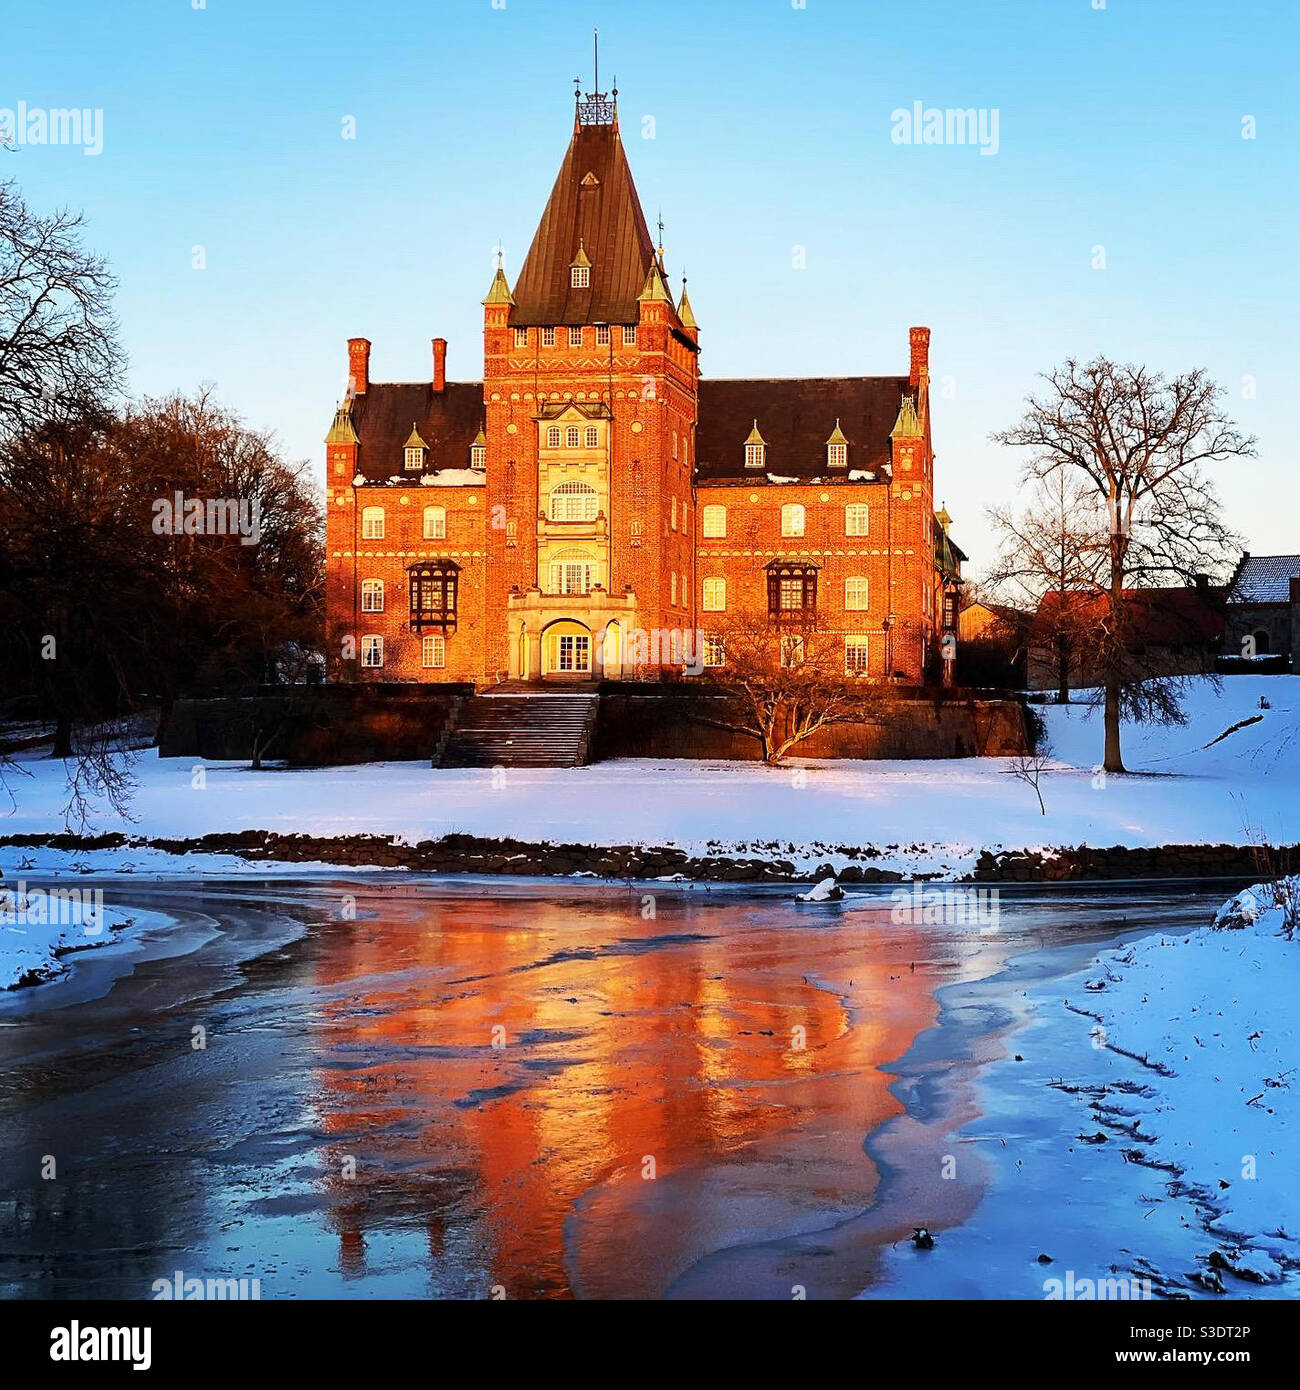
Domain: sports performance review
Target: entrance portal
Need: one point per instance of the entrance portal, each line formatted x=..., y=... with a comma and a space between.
x=566, y=651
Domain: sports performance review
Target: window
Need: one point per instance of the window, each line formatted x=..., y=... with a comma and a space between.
x=572, y=437
x=433, y=652
x=792, y=650
x=574, y=502
x=592, y=437
x=372, y=650
x=629, y=335
x=674, y=444
x=548, y=337
x=372, y=595
x=715, y=652
x=571, y=572
x=579, y=277
x=715, y=523
x=673, y=599
x=837, y=455
x=855, y=592
x=714, y=596
x=855, y=519
x=478, y=456
x=372, y=523
x=686, y=591
x=602, y=335
x=434, y=587
x=791, y=592
x=792, y=519
x=754, y=454
x=435, y=523
x=415, y=458
x=855, y=656
x=575, y=337
x=574, y=652
x=674, y=502
x=521, y=337
x=553, y=437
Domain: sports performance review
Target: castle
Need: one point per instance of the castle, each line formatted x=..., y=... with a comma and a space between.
x=595, y=502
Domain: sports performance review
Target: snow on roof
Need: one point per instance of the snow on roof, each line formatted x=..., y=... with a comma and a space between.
x=1265, y=579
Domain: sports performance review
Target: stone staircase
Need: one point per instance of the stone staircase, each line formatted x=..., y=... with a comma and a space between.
x=518, y=729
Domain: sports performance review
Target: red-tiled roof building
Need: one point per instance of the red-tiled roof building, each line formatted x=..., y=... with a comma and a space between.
x=595, y=496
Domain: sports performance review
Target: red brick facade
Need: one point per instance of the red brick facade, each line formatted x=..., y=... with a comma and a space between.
x=562, y=498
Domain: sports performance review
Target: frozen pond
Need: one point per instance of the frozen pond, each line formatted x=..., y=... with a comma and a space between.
x=396, y=1087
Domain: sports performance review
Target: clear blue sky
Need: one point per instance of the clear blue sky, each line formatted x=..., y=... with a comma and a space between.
x=1119, y=127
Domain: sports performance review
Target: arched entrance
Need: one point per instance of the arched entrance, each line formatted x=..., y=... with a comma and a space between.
x=566, y=651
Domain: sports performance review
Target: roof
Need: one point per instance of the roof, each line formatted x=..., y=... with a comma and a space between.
x=593, y=205
x=796, y=417
x=445, y=421
x=1155, y=617
x=1264, y=579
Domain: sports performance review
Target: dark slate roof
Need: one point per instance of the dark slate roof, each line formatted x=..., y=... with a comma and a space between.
x=447, y=421
x=795, y=417
x=594, y=202
x=1264, y=579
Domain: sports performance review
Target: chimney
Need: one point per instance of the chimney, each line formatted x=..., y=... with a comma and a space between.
x=358, y=365
x=439, y=364
x=920, y=369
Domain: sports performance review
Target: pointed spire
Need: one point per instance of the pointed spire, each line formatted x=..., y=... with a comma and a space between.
x=581, y=257
x=942, y=517
x=754, y=437
x=499, y=292
x=837, y=435
x=907, y=425
x=684, y=310
x=654, y=287
x=415, y=442
x=343, y=431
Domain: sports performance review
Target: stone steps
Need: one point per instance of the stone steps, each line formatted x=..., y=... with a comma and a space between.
x=523, y=730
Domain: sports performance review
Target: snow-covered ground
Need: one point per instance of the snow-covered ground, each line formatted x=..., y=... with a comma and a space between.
x=1213, y=1018
x=39, y=928
x=922, y=815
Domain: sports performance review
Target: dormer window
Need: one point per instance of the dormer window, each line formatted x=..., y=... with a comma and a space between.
x=579, y=277
x=755, y=449
x=414, y=451
x=478, y=452
x=837, y=449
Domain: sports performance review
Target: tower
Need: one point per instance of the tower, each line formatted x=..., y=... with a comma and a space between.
x=589, y=388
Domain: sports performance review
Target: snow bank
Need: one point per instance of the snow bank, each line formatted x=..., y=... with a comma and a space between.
x=38, y=928
x=1193, y=784
x=1211, y=1023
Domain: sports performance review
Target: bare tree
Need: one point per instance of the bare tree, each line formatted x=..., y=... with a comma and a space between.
x=1048, y=552
x=1029, y=765
x=58, y=338
x=1138, y=443
x=785, y=684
